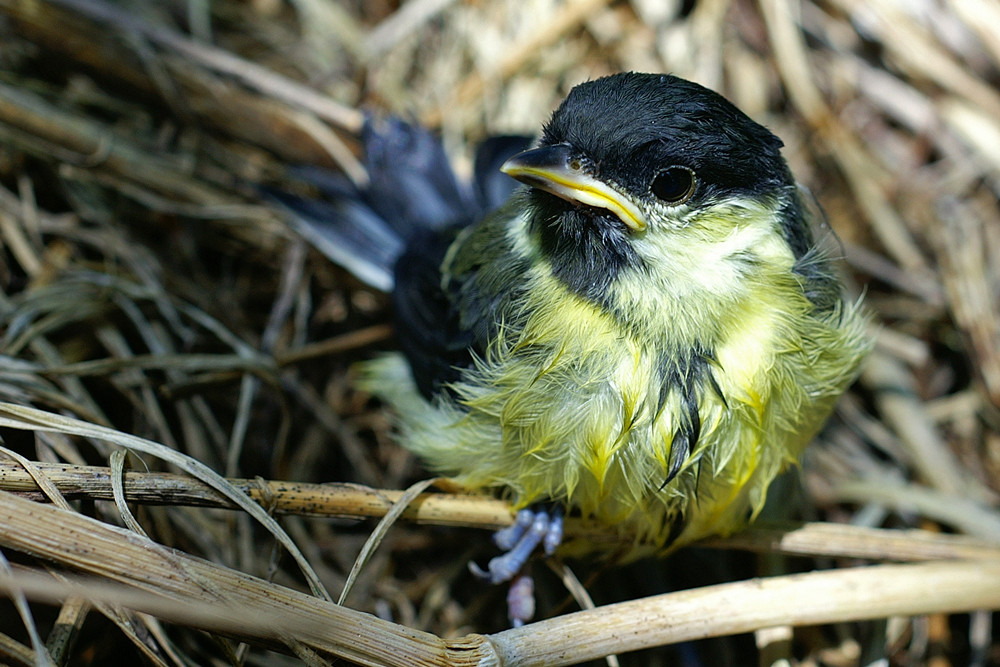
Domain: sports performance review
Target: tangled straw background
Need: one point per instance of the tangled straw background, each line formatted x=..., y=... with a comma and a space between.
x=148, y=292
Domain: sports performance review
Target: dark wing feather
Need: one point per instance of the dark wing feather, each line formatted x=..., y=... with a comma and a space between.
x=441, y=324
x=394, y=235
x=426, y=318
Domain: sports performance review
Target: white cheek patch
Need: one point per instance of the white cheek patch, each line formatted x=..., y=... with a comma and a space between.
x=713, y=250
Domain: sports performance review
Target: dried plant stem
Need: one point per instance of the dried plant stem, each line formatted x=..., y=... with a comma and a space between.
x=895, y=393
x=89, y=143
x=477, y=511
x=251, y=74
x=568, y=17
x=148, y=285
x=805, y=599
x=792, y=61
x=334, y=500
x=196, y=80
x=188, y=590
x=835, y=539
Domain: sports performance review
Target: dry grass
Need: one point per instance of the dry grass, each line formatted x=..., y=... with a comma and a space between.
x=151, y=303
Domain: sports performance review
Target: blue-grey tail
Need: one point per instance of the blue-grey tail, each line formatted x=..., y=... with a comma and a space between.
x=413, y=192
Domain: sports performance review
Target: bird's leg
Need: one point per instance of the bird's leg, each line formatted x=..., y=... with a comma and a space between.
x=531, y=528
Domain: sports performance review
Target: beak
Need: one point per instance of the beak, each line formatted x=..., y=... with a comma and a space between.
x=554, y=170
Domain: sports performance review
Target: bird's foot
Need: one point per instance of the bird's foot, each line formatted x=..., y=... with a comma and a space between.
x=531, y=528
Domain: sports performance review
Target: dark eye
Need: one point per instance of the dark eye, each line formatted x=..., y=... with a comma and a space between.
x=674, y=185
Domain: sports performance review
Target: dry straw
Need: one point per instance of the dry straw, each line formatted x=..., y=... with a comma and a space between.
x=185, y=453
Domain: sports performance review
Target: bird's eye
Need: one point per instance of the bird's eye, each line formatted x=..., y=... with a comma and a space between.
x=674, y=185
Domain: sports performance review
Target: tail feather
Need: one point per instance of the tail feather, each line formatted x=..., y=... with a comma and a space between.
x=412, y=183
x=349, y=233
x=412, y=190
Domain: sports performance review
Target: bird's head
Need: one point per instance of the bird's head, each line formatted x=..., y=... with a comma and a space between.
x=647, y=181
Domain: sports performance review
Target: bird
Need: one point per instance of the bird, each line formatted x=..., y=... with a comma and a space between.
x=644, y=333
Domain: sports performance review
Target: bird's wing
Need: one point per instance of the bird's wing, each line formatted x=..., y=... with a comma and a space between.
x=428, y=324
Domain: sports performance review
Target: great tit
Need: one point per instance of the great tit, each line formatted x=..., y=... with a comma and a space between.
x=644, y=333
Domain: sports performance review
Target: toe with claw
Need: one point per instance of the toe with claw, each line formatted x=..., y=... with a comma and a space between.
x=531, y=528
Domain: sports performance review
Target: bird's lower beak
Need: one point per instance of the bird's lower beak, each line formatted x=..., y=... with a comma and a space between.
x=555, y=170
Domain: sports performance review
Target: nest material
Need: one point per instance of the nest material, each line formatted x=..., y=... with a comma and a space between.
x=152, y=303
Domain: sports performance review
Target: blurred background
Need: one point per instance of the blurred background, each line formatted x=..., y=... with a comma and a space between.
x=144, y=284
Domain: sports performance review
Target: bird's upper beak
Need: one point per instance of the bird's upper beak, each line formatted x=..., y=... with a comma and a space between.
x=555, y=170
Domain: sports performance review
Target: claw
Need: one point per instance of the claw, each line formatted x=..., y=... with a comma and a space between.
x=553, y=538
x=521, y=600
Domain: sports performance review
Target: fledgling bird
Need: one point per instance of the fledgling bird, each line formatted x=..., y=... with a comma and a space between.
x=643, y=334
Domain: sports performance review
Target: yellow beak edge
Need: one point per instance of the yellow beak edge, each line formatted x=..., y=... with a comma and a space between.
x=554, y=170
